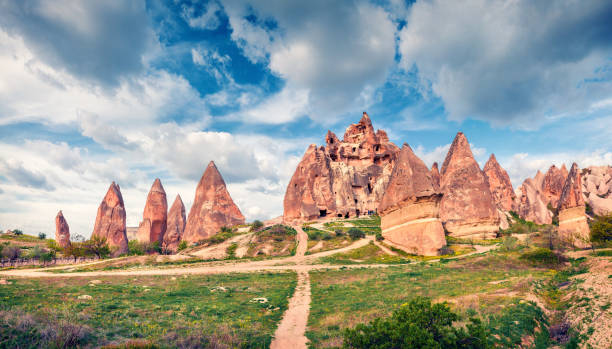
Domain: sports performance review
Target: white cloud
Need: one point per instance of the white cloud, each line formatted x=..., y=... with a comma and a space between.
x=209, y=19
x=511, y=61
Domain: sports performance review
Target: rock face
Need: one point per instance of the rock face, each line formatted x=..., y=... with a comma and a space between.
x=552, y=185
x=110, y=221
x=435, y=176
x=531, y=205
x=573, y=225
x=342, y=178
x=176, y=225
x=62, y=231
x=212, y=207
x=597, y=188
x=409, y=209
x=467, y=208
x=153, y=225
x=499, y=184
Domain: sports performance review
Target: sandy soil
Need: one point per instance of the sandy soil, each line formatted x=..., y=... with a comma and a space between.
x=291, y=332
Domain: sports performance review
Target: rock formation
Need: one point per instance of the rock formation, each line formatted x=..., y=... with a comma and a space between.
x=597, y=188
x=110, y=221
x=62, y=231
x=499, y=184
x=343, y=178
x=435, y=176
x=467, y=208
x=573, y=225
x=531, y=205
x=153, y=225
x=552, y=185
x=212, y=207
x=176, y=225
x=409, y=209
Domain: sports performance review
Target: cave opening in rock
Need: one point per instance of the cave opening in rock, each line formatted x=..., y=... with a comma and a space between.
x=322, y=213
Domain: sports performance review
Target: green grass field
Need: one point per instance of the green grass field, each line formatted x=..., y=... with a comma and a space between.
x=481, y=285
x=168, y=311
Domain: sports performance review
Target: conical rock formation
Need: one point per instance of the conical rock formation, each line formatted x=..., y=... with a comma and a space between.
x=467, y=208
x=212, y=207
x=342, y=178
x=62, y=231
x=409, y=208
x=573, y=225
x=110, y=221
x=531, y=205
x=499, y=184
x=175, y=226
x=154, y=218
x=553, y=183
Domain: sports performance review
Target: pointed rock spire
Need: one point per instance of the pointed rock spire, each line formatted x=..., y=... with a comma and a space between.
x=62, y=231
x=573, y=225
x=571, y=196
x=435, y=176
x=110, y=221
x=212, y=207
x=155, y=214
x=409, y=207
x=552, y=185
x=499, y=184
x=363, y=131
x=175, y=226
x=467, y=208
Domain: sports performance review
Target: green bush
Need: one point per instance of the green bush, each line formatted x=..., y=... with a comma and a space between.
x=447, y=251
x=182, y=245
x=42, y=236
x=231, y=250
x=356, y=233
x=257, y=225
x=601, y=230
x=137, y=248
x=543, y=257
x=418, y=324
x=17, y=232
x=11, y=252
x=510, y=244
x=379, y=237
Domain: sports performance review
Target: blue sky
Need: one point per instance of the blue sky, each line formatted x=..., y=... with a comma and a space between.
x=126, y=91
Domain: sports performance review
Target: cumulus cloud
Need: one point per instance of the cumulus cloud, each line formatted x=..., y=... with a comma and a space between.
x=344, y=49
x=100, y=41
x=511, y=61
x=17, y=172
x=206, y=17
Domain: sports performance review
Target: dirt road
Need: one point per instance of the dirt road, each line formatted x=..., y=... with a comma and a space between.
x=291, y=332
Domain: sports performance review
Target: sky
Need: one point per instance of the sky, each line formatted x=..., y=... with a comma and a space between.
x=98, y=91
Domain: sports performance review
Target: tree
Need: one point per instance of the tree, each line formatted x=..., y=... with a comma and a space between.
x=601, y=230
x=11, y=252
x=417, y=324
x=74, y=250
x=97, y=245
x=257, y=224
x=17, y=232
x=42, y=236
x=78, y=238
x=355, y=233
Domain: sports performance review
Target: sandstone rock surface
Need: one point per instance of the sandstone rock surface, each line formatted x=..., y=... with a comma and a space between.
x=435, y=176
x=409, y=209
x=552, y=185
x=531, y=205
x=155, y=215
x=175, y=226
x=467, y=208
x=62, y=231
x=597, y=188
x=573, y=225
x=499, y=184
x=212, y=207
x=342, y=178
x=110, y=221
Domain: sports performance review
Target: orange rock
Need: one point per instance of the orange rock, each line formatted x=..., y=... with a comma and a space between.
x=531, y=205
x=597, y=188
x=110, y=221
x=409, y=208
x=155, y=215
x=212, y=207
x=435, y=176
x=176, y=225
x=552, y=185
x=62, y=231
x=573, y=225
x=499, y=184
x=467, y=208
x=343, y=178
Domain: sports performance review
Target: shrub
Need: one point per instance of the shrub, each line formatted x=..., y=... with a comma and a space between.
x=356, y=234
x=339, y=232
x=257, y=225
x=96, y=246
x=11, y=252
x=379, y=237
x=42, y=236
x=447, y=251
x=136, y=248
x=182, y=245
x=509, y=244
x=231, y=250
x=418, y=324
x=17, y=232
x=35, y=252
x=542, y=257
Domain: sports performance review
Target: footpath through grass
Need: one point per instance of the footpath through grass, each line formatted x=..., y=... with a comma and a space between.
x=240, y=310
x=484, y=285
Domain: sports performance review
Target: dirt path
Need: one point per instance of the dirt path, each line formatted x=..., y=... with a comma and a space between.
x=302, y=238
x=291, y=331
